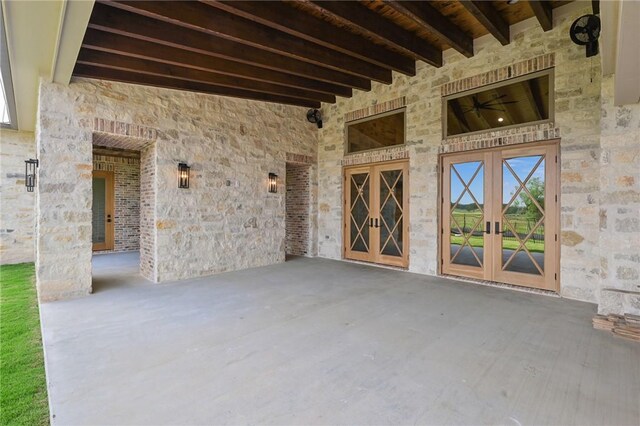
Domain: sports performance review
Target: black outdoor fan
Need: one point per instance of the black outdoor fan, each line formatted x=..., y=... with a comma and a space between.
x=491, y=104
x=585, y=31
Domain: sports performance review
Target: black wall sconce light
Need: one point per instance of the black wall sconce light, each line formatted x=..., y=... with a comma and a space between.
x=273, y=183
x=183, y=175
x=30, y=167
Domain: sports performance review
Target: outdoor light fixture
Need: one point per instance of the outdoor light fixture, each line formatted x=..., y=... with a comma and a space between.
x=273, y=182
x=183, y=175
x=30, y=167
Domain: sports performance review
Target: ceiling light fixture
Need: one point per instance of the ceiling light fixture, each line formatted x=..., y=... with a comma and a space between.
x=500, y=119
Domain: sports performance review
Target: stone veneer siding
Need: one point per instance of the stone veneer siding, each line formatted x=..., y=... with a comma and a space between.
x=577, y=119
x=297, y=207
x=17, y=206
x=126, y=172
x=210, y=227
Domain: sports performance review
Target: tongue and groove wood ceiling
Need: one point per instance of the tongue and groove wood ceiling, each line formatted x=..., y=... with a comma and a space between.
x=294, y=52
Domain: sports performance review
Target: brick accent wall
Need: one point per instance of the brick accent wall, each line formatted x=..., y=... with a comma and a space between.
x=126, y=172
x=298, y=181
x=148, y=234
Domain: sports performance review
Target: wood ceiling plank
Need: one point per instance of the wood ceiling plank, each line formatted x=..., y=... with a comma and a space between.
x=489, y=18
x=170, y=83
x=217, y=22
x=429, y=18
x=361, y=19
x=543, y=12
x=132, y=25
x=122, y=45
x=287, y=19
x=127, y=63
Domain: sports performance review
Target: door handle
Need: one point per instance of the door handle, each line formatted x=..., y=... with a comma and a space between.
x=376, y=225
x=370, y=222
x=108, y=218
x=487, y=229
x=497, y=228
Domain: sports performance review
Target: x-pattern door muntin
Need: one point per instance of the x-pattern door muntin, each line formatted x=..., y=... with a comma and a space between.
x=361, y=191
x=397, y=204
x=522, y=189
x=462, y=231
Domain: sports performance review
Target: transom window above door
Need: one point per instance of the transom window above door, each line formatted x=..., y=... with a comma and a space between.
x=380, y=131
x=511, y=103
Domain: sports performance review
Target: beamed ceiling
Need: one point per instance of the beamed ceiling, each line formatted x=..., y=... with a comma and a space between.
x=299, y=53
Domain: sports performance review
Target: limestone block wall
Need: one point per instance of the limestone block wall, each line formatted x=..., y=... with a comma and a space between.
x=619, y=205
x=577, y=116
x=225, y=221
x=17, y=206
x=298, y=198
x=126, y=172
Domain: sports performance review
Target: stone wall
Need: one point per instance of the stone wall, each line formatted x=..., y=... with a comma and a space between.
x=17, y=206
x=225, y=221
x=619, y=205
x=298, y=197
x=126, y=172
x=577, y=116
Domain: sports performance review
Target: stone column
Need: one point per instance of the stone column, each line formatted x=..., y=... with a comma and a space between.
x=63, y=197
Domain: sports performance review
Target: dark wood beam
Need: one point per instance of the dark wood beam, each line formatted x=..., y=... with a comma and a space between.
x=432, y=21
x=115, y=43
x=129, y=24
x=363, y=20
x=542, y=10
x=489, y=18
x=216, y=22
x=142, y=66
x=457, y=112
x=88, y=71
x=295, y=22
x=595, y=7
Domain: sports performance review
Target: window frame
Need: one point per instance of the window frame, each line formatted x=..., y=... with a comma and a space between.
x=7, y=81
x=549, y=72
x=348, y=124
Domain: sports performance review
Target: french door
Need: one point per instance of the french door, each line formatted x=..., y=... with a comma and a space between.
x=376, y=213
x=103, y=207
x=500, y=215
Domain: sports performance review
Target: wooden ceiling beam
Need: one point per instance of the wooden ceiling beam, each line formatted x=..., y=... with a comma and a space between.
x=363, y=20
x=543, y=12
x=122, y=45
x=142, y=66
x=129, y=24
x=200, y=17
x=432, y=21
x=489, y=18
x=295, y=22
x=171, y=83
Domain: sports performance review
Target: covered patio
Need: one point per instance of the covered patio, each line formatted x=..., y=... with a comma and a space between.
x=316, y=341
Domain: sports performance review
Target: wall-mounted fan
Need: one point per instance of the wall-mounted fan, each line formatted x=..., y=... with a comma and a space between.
x=585, y=31
x=491, y=104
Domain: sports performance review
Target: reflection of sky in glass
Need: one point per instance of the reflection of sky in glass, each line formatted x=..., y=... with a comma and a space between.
x=522, y=166
x=466, y=172
x=4, y=112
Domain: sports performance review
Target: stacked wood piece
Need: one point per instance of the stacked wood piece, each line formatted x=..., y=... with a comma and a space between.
x=626, y=325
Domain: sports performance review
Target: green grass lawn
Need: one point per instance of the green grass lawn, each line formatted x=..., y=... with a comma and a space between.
x=23, y=389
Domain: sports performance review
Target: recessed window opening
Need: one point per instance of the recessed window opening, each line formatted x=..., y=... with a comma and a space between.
x=511, y=103
x=7, y=99
x=380, y=131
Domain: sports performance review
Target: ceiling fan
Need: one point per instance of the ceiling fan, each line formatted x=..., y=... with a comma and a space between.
x=491, y=104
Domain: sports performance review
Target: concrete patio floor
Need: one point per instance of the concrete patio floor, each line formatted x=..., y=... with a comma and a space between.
x=315, y=341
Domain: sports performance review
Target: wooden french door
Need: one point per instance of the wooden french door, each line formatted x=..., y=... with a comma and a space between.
x=376, y=213
x=103, y=207
x=500, y=215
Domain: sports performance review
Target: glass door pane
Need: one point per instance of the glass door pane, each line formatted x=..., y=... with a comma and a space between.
x=391, y=212
x=466, y=214
x=99, y=210
x=523, y=215
x=359, y=212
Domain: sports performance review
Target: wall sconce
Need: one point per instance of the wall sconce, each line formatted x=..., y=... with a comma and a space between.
x=30, y=167
x=273, y=182
x=183, y=175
